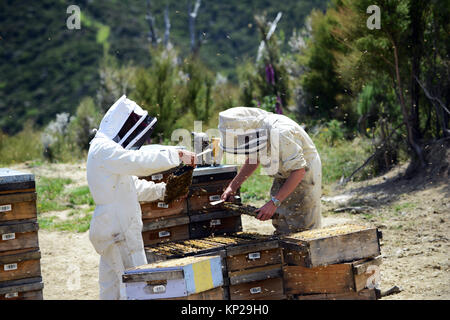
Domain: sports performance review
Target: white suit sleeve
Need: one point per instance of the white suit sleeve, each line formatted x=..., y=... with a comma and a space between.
x=117, y=160
x=291, y=152
x=148, y=190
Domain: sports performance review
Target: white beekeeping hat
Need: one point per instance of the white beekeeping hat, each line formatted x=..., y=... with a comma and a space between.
x=242, y=130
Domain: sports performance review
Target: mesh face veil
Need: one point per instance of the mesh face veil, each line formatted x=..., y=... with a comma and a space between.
x=136, y=130
x=238, y=141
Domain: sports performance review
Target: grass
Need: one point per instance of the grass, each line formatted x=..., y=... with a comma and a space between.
x=78, y=223
x=54, y=196
x=50, y=193
x=256, y=187
x=406, y=206
x=80, y=196
x=341, y=159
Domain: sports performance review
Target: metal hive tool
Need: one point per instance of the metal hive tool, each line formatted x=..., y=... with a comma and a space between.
x=244, y=209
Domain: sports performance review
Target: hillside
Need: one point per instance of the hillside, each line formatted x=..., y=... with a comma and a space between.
x=46, y=68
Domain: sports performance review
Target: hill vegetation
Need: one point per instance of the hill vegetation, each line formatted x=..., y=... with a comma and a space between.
x=47, y=69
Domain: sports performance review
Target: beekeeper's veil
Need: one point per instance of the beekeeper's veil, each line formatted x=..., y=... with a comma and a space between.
x=127, y=124
x=243, y=130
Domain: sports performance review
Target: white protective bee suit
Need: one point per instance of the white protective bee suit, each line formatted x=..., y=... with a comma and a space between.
x=112, y=171
x=281, y=146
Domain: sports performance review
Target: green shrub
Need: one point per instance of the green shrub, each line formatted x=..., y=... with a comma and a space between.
x=333, y=132
x=342, y=158
x=80, y=128
x=24, y=146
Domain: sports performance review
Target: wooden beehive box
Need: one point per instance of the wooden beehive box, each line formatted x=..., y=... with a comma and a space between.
x=17, y=206
x=268, y=289
x=257, y=251
x=17, y=195
x=165, y=229
x=331, y=279
x=338, y=244
x=208, y=184
x=219, y=293
x=12, y=181
x=173, y=278
x=22, y=234
x=159, y=209
x=210, y=174
x=255, y=268
x=20, y=264
x=365, y=294
x=23, y=289
x=214, y=223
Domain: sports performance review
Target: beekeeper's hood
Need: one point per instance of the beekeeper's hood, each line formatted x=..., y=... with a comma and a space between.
x=243, y=130
x=127, y=124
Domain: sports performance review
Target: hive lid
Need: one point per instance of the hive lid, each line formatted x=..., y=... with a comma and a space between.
x=8, y=176
x=332, y=231
x=201, y=171
x=169, y=265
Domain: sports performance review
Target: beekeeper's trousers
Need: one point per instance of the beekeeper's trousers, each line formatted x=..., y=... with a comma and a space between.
x=113, y=263
x=301, y=210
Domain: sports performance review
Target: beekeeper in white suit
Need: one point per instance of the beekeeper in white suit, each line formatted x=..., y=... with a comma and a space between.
x=113, y=164
x=285, y=152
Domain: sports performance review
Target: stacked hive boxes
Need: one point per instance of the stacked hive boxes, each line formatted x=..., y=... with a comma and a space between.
x=255, y=269
x=332, y=263
x=329, y=263
x=192, y=217
x=252, y=263
x=20, y=272
x=208, y=184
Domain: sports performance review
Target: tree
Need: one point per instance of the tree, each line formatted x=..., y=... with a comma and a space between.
x=397, y=50
x=156, y=90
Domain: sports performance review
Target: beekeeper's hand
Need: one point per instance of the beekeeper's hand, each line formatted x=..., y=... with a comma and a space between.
x=228, y=194
x=187, y=157
x=266, y=211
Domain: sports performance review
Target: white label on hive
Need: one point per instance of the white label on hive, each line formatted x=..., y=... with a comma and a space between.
x=163, y=234
x=11, y=295
x=163, y=205
x=5, y=208
x=10, y=267
x=159, y=289
x=254, y=255
x=215, y=222
x=158, y=176
x=255, y=290
x=8, y=236
x=214, y=197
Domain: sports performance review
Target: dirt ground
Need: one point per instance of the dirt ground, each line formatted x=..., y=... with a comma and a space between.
x=414, y=218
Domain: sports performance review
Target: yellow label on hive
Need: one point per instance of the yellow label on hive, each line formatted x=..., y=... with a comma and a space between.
x=202, y=276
